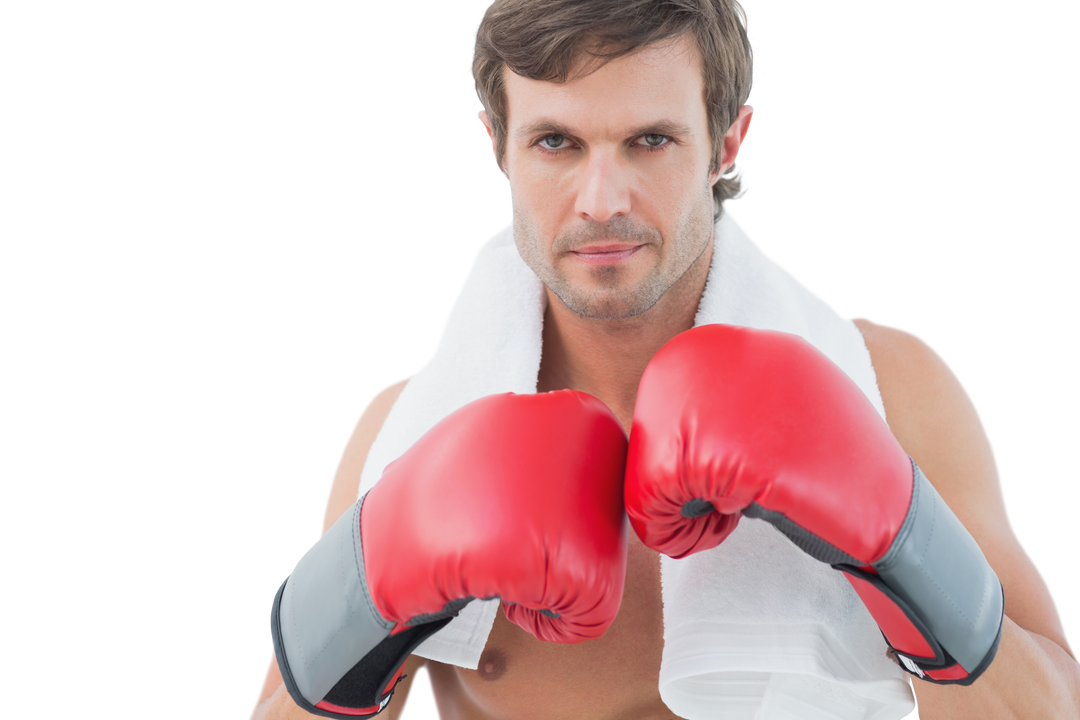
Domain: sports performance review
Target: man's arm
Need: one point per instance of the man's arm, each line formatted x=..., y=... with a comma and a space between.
x=1035, y=674
x=274, y=701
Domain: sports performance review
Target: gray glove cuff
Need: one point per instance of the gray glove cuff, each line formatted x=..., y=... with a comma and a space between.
x=324, y=620
x=940, y=572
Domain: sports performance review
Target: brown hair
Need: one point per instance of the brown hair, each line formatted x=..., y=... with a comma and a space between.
x=543, y=40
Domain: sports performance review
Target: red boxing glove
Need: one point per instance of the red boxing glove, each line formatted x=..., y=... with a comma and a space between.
x=512, y=496
x=517, y=497
x=732, y=421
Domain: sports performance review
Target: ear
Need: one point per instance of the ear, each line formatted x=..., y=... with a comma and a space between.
x=482, y=119
x=733, y=139
x=487, y=125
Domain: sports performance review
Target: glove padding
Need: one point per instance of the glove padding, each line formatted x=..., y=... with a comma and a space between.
x=512, y=496
x=732, y=421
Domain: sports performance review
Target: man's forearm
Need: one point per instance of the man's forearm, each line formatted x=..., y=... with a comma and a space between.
x=1031, y=677
x=279, y=706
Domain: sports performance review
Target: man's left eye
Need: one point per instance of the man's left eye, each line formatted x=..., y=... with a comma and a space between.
x=654, y=140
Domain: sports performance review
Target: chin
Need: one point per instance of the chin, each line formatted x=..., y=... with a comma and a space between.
x=608, y=303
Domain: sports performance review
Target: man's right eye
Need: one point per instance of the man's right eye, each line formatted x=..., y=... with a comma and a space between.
x=553, y=142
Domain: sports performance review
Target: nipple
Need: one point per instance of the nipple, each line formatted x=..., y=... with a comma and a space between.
x=492, y=664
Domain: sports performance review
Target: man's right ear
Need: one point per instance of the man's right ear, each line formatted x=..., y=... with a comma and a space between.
x=487, y=126
x=482, y=119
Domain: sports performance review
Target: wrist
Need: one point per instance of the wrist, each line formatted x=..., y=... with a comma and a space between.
x=279, y=706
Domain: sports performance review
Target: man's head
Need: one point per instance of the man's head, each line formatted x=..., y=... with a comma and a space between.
x=554, y=39
x=615, y=122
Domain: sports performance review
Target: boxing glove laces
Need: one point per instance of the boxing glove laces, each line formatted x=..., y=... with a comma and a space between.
x=732, y=421
x=517, y=497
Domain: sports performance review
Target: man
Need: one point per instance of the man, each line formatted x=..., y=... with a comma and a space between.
x=618, y=133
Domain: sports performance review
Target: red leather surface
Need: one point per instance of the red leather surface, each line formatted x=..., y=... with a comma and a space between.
x=902, y=635
x=516, y=496
x=953, y=672
x=358, y=712
x=736, y=416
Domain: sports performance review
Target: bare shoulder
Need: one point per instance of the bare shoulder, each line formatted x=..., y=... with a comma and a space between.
x=936, y=423
x=347, y=477
x=917, y=386
x=932, y=417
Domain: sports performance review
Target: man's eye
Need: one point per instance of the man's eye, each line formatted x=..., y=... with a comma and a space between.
x=553, y=142
x=655, y=140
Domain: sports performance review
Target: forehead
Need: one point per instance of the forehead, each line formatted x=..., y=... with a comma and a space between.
x=661, y=80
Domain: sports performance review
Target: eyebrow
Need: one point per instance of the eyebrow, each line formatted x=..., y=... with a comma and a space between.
x=660, y=127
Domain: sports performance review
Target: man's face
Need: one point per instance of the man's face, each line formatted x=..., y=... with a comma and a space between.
x=610, y=179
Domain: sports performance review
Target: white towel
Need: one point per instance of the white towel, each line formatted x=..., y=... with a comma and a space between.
x=754, y=629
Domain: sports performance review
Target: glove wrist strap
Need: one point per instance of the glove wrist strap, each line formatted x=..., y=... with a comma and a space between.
x=324, y=620
x=934, y=595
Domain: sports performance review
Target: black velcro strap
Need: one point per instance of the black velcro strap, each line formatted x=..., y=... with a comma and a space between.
x=805, y=540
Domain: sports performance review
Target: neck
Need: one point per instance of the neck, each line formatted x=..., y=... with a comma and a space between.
x=606, y=358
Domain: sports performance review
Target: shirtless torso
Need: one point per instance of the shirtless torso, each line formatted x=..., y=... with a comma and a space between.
x=523, y=678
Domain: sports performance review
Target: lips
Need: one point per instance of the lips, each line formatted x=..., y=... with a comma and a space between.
x=606, y=253
x=609, y=247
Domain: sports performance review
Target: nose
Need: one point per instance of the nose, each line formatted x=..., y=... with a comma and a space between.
x=603, y=187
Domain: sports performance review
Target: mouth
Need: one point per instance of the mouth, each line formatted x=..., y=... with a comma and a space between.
x=606, y=254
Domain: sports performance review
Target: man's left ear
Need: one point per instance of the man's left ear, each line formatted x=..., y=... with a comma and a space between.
x=733, y=139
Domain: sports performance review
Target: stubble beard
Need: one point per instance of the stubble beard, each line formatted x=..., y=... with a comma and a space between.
x=611, y=296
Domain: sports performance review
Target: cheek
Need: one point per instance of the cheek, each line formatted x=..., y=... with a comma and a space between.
x=543, y=190
x=674, y=187
x=539, y=192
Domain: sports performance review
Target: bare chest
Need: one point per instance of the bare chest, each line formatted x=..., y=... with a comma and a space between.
x=614, y=676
